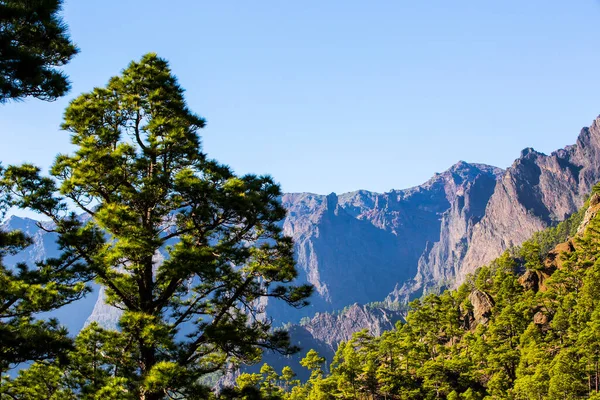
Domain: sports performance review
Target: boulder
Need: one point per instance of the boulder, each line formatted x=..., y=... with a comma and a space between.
x=554, y=259
x=482, y=306
x=535, y=279
x=540, y=318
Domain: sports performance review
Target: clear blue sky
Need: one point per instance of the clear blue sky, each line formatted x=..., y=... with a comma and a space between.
x=344, y=95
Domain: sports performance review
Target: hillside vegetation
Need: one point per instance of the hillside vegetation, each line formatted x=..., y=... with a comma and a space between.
x=526, y=326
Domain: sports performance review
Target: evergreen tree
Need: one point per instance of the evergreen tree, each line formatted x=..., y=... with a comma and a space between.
x=150, y=193
x=567, y=377
x=346, y=369
x=33, y=44
x=26, y=291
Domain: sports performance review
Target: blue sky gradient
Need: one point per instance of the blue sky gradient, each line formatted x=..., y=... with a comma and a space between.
x=344, y=95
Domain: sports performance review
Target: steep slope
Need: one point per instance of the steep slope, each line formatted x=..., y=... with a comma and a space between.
x=535, y=192
x=527, y=326
x=440, y=260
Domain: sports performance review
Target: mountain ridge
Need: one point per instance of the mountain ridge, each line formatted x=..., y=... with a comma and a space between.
x=362, y=246
x=464, y=218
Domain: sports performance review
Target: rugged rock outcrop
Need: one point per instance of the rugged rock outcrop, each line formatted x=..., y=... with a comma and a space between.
x=590, y=213
x=482, y=306
x=335, y=328
x=441, y=260
x=554, y=259
x=538, y=190
x=359, y=245
x=535, y=280
x=541, y=318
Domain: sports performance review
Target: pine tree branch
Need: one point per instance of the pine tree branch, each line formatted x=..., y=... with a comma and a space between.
x=194, y=346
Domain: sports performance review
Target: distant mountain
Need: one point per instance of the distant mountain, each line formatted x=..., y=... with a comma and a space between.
x=364, y=246
x=361, y=247
x=357, y=247
x=536, y=191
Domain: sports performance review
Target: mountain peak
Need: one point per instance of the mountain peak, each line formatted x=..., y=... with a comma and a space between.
x=529, y=151
x=589, y=138
x=467, y=166
x=460, y=165
x=464, y=171
x=24, y=224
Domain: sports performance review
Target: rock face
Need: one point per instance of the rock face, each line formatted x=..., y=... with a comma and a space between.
x=590, y=213
x=554, y=258
x=535, y=280
x=441, y=260
x=335, y=328
x=539, y=318
x=459, y=220
x=359, y=246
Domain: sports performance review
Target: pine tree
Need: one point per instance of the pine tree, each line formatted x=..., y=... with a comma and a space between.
x=567, y=376
x=139, y=173
x=346, y=368
x=26, y=291
x=39, y=382
x=33, y=44
x=589, y=345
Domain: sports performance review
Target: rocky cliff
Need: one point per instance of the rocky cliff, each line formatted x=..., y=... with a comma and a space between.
x=536, y=191
x=360, y=247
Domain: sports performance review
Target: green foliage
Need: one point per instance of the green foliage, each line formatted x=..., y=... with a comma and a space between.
x=33, y=44
x=534, y=345
x=139, y=173
x=39, y=382
x=25, y=292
